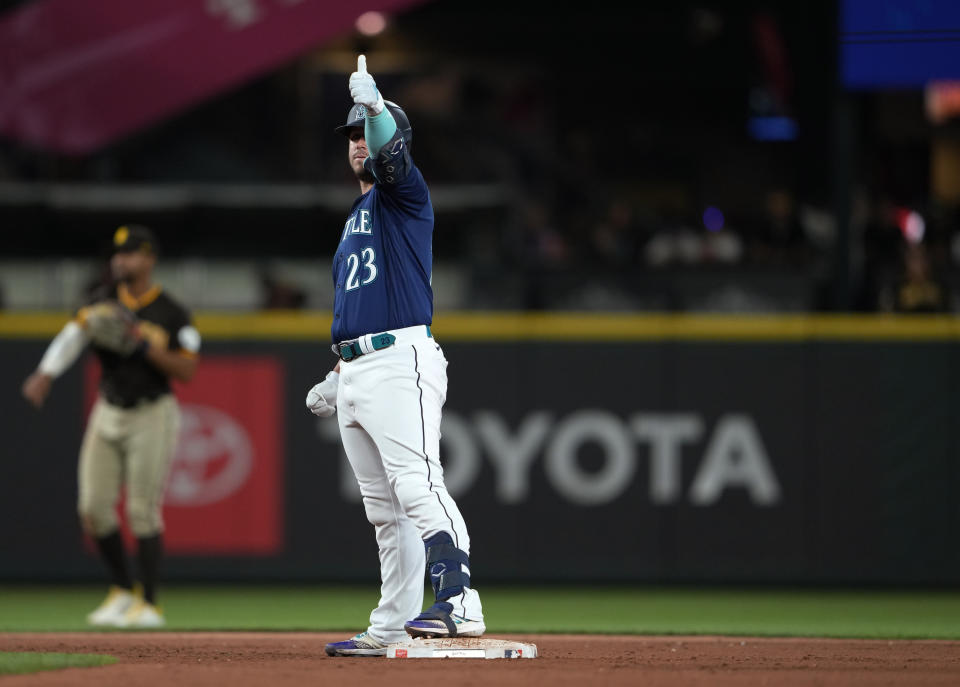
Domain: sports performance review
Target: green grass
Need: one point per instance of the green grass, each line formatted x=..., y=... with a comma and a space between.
x=635, y=610
x=16, y=663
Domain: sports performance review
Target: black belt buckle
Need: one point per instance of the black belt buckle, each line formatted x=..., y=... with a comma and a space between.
x=349, y=351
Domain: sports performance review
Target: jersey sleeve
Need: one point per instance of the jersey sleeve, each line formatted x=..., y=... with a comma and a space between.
x=396, y=174
x=185, y=338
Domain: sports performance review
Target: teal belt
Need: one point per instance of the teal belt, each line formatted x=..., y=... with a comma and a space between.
x=348, y=350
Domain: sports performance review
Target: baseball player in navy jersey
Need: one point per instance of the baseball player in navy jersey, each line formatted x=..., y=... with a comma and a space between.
x=390, y=385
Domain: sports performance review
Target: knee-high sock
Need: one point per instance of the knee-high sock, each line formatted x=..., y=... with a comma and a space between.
x=115, y=557
x=149, y=553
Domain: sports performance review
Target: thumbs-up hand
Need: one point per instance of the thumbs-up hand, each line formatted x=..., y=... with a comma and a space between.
x=363, y=89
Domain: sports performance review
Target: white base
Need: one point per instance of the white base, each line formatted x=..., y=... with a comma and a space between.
x=461, y=647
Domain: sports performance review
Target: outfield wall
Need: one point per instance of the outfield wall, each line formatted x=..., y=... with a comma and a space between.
x=580, y=447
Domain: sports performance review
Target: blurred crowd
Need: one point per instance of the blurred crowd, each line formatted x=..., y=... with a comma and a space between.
x=665, y=201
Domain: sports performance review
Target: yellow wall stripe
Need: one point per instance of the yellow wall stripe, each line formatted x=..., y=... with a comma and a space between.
x=507, y=326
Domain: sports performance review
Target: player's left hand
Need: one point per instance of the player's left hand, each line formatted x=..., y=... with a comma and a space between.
x=113, y=327
x=363, y=89
x=322, y=398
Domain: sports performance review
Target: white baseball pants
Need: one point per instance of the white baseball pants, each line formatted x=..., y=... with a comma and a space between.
x=388, y=407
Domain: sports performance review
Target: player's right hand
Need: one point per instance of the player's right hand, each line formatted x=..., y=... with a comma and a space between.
x=322, y=398
x=37, y=387
x=363, y=89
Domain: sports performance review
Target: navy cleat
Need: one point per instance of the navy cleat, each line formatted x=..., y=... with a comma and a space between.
x=439, y=621
x=358, y=645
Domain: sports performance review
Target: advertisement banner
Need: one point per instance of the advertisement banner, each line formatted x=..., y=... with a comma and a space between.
x=76, y=76
x=791, y=462
x=225, y=486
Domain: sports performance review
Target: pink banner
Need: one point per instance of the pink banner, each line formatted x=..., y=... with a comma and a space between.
x=75, y=76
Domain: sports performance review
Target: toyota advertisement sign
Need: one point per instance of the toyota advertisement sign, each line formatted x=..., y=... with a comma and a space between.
x=225, y=486
x=225, y=490
x=656, y=461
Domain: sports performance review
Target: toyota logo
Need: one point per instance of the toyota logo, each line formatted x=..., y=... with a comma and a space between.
x=213, y=459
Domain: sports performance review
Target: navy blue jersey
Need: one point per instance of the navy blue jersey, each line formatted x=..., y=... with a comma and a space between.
x=381, y=271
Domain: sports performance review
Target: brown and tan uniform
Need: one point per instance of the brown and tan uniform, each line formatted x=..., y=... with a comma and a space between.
x=132, y=431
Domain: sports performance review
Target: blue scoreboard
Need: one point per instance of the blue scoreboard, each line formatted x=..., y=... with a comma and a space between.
x=899, y=44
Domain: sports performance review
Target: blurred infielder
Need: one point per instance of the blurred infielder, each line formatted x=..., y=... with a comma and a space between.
x=142, y=338
x=391, y=382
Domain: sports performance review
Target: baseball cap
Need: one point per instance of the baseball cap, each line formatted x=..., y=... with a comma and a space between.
x=134, y=237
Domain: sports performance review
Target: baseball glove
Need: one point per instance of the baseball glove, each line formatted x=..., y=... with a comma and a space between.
x=112, y=326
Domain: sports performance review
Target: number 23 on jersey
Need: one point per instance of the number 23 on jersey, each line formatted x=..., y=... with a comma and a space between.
x=361, y=268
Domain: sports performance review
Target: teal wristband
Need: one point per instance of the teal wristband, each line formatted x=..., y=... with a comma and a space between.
x=378, y=129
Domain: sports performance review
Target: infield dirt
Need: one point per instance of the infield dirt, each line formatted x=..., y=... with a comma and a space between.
x=287, y=659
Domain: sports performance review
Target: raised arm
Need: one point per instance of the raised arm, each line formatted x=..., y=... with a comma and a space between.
x=379, y=124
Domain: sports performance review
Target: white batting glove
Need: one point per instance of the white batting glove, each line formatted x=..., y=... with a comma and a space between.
x=363, y=89
x=322, y=398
